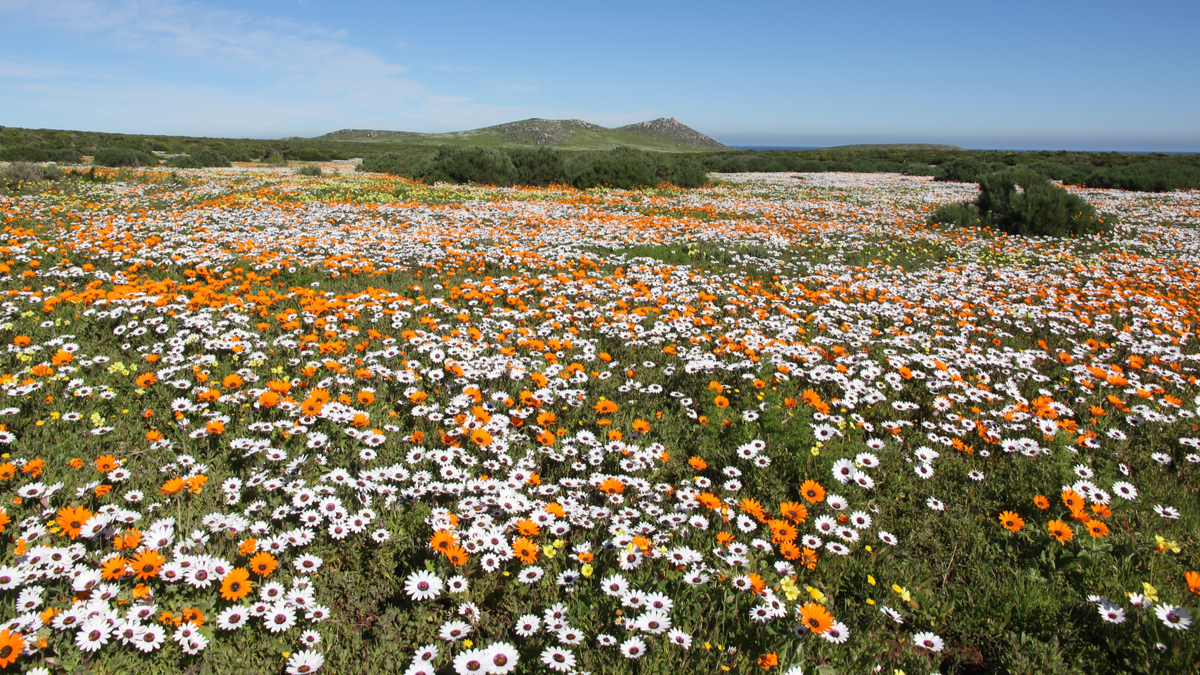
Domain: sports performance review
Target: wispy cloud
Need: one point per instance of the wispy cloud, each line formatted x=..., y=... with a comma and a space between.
x=238, y=72
x=295, y=55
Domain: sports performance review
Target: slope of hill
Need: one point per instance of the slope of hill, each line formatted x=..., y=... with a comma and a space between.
x=660, y=134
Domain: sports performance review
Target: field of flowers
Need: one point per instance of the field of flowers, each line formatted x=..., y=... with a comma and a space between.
x=259, y=422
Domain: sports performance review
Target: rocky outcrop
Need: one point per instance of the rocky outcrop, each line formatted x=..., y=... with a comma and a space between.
x=670, y=129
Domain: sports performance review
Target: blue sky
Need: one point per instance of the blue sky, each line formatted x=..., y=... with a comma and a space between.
x=1026, y=75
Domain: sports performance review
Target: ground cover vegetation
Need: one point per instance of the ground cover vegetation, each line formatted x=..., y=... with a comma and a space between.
x=259, y=421
x=622, y=167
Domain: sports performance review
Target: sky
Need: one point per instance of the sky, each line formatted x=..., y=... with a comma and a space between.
x=1047, y=75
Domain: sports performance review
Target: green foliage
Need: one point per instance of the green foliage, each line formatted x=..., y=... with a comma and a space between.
x=918, y=169
x=199, y=159
x=963, y=214
x=124, y=157
x=620, y=168
x=483, y=166
x=397, y=163
x=965, y=170
x=1146, y=177
x=1020, y=201
x=678, y=170
x=541, y=166
x=311, y=170
x=29, y=153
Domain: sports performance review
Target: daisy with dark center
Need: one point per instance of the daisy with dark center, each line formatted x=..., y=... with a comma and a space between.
x=558, y=659
x=815, y=617
x=1011, y=521
x=1060, y=531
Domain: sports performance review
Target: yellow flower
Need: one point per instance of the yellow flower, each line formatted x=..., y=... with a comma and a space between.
x=1164, y=545
x=790, y=589
x=903, y=592
x=586, y=570
x=816, y=594
x=549, y=551
x=468, y=644
x=1150, y=592
x=870, y=580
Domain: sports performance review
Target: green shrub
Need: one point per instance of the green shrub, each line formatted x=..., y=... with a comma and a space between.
x=963, y=214
x=1146, y=177
x=678, y=170
x=620, y=168
x=310, y=170
x=309, y=154
x=124, y=157
x=30, y=153
x=397, y=163
x=183, y=162
x=473, y=164
x=917, y=169
x=726, y=163
x=962, y=170
x=765, y=163
x=199, y=159
x=540, y=167
x=863, y=166
x=1036, y=209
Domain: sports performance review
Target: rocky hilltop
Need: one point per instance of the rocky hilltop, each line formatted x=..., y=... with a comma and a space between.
x=670, y=128
x=538, y=131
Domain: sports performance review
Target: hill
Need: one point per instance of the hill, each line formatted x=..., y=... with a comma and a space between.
x=665, y=134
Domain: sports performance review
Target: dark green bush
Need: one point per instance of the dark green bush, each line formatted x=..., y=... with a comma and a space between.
x=199, y=159
x=310, y=154
x=540, y=167
x=962, y=170
x=1037, y=208
x=863, y=166
x=124, y=157
x=1146, y=177
x=397, y=163
x=29, y=153
x=917, y=169
x=678, y=170
x=963, y=214
x=485, y=166
x=620, y=168
x=726, y=163
x=310, y=170
x=769, y=163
